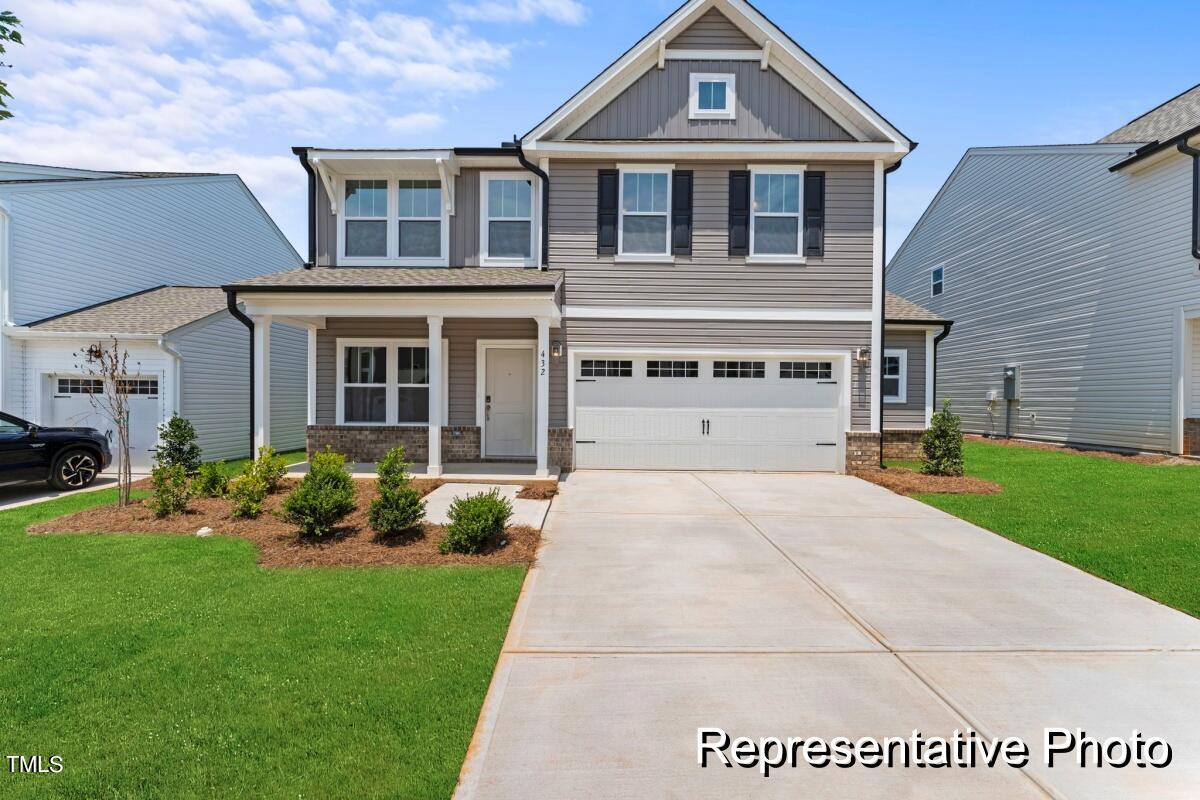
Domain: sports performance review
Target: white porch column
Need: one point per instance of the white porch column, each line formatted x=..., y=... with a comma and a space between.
x=435, y=395
x=262, y=382
x=542, y=413
x=312, y=374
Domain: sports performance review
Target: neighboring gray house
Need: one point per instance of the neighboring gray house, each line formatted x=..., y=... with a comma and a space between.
x=1075, y=267
x=680, y=267
x=83, y=258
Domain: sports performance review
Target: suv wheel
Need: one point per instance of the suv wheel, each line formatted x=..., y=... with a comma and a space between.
x=75, y=469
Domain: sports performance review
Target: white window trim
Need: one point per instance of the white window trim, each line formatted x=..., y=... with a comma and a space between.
x=902, y=355
x=782, y=258
x=534, y=208
x=392, y=258
x=933, y=280
x=730, y=81
x=391, y=387
x=653, y=169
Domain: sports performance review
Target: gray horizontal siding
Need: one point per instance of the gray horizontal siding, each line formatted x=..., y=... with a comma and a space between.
x=1071, y=271
x=911, y=413
x=215, y=391
x=656, y=107
x=715, y=335
x=710, y=277
x=713, y=31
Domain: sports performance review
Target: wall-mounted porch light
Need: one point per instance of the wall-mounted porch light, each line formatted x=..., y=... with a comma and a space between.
x=862, y=354
x=556, y=349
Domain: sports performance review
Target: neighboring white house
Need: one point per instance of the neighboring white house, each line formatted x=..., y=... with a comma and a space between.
x=87, y=256
x=1075, y=269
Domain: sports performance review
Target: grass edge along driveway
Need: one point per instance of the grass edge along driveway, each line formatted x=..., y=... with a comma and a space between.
x=1136, y=525
x=174, y=666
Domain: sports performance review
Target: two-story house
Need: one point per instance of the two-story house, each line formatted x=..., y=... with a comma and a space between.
x=86, y=257
x=680, y=267
x=1072, y=273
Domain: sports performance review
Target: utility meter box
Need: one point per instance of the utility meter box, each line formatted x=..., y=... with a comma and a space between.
x=1012, y=382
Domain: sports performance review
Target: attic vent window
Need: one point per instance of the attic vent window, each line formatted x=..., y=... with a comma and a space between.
x=711, y=96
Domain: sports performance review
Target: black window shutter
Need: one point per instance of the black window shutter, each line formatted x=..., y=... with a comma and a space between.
x=606, y=211
x=681, y=212
x=814, y=213
x=739, y=212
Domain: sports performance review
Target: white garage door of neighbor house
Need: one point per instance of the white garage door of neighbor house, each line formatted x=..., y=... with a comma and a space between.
x=689, y=412
x=71, y=405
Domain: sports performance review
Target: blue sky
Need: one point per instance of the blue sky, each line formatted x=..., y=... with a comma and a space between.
x=231, y=85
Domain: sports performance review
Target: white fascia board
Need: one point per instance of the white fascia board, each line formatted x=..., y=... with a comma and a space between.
x=399, y=304
x=719, y=314
x=30, y=333
x=379, y=155
x=701, y=150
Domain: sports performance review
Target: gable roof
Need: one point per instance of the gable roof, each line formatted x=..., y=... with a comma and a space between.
x=783, y=53
x=1179, y=114
x=897, y=309
x=154, y=311
x=39, y=173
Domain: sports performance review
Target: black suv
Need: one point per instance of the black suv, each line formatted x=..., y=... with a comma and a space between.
x=68, y=458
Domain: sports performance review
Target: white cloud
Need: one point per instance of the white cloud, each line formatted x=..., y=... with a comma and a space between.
x=416, y=122
x=568, y=12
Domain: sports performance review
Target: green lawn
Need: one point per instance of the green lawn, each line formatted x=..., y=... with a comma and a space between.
x=174, y=667
x=1135, y=525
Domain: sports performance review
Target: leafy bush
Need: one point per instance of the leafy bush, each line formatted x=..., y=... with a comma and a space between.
x=942, y=444
x=474, y=521
x=170, y=491
x=177, y=445
x=399, y=506
x=210, y=481
x=247, y=492
x=325, y=495
x=268, y=466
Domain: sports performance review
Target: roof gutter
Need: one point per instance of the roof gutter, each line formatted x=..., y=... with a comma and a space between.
x=240, y=316
x=302, y=154
x=529, y=165
x=1188, y=150
x=1147, y=150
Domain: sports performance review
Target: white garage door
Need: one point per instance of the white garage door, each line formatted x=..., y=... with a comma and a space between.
x=687, y=412
x=71, y=405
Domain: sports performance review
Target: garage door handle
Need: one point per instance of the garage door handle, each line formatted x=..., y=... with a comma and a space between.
x=826, y=444
x=834, y=383
x=585, y=380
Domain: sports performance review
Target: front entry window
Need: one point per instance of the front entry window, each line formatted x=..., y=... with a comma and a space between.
x=365, y=385
x=412, y=393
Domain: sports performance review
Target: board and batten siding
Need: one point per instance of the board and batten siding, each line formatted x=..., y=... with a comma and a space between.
x=655, y=106
x=910, y=413
x=712, y=31
x=667, y=335
x=710, y=277
x=461, y=335
x=76, y=243
x=215, y=380
x=1073, y=272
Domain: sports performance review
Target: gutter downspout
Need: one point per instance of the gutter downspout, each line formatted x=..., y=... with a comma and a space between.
x=883, y=305
x=302, y=154
x=240, y=316
x=1188, y=150
x=177, y=362
x=936, y=340
x=529, y=165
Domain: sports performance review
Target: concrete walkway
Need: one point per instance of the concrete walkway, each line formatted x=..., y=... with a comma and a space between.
x=814, y=605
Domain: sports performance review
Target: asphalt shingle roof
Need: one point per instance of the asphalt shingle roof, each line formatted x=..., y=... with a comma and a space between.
x=897, y=309
x=1179, y=114
x=406, y=279
x=156, y=311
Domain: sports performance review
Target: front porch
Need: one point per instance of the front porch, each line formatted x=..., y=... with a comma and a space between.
x=456, y=472
x=458, y=378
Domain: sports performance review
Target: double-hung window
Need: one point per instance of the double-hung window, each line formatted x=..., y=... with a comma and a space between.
x=895, y=376
x=364, y=384
x=711, y=96
x=645, y=212
x=507, y=228
x=386, y=382
x=775, y=207
x=366, y=215
x=420, y=218
x=937, y=281
x=412, y=384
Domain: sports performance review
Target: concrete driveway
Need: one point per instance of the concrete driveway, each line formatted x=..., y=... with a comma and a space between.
x=811, y=605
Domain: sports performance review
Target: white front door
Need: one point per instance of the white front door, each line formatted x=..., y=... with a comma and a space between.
x=508, y=401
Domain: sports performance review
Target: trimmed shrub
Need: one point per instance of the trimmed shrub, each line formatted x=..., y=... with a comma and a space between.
x=177, y=445
x=399, y=506
x=170, y=491
x=268, y=466
x=942, y=444
x=210, y=481
x=247, y=493
x=324, y=496
x=474, y=521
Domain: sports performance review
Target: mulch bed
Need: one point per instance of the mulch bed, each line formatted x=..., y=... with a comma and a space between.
x=540, y=490
x=907, y=481
x=353, y=543
x=1134, y=458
